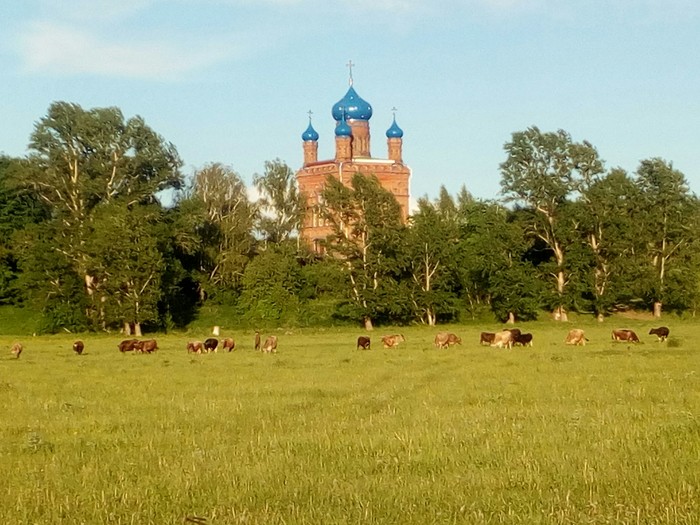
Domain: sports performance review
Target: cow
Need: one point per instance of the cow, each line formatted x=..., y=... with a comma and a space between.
x=503, y=339
x=661, y=333
x=625, y=335
x=270, y=345
x=194, y=347
x=486, y=338
x=16, y=350
x=522, y=339
x=78, y=347
x=148, y=346
x=228, y=344
x=363, y=343
x=446, y=339
x=128, y=345
x=392, y=341
x=515, y=331
x=211, y=344
x=257, y=340
x=576, y=337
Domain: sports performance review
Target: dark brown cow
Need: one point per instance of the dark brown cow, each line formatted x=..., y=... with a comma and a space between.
x=486, y=338
x=257, y=340
x=515, y=331
x=228, y=344
x=128, y=345
x=78, y=347
x=523, y=340
x=194, y=347
x=576, y=337
x=661, y=333
x=270, y=345
x=16, y=350
x=148, y=346
x=363, y=343
x=392, y=341
x=446, y=339
x=211, y=344
x=625, y=335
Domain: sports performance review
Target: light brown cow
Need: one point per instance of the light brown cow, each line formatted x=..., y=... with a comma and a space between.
x=257, y=340
x=503, y=339
x=270, y=345
x=194, y=347
x=228, y=344
x=446, y=339
x=576, y=337
x=148, y=346
x=16, y=350
x=486, y=338
x=392, y=341
x=625, y=335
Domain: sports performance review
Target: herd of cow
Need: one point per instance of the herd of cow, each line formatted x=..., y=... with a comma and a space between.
x=507, y=338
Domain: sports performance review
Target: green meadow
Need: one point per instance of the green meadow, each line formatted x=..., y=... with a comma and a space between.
x=321, y=433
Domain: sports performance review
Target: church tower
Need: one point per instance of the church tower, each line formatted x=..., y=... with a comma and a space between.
x=352, y=155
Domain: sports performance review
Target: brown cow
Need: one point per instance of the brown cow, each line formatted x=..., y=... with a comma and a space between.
x=128, y=345
x=16, y=350
x=363, y=342
x=503, y=339
x=576, y=337
x=392, y=341
x=211, y=344
x=486, y=338
x=270, y=345
x=522, y=339
x=625, y=335
x=228, y=344
x=257, y=340
x=78, y=347
x=194, y=347
x=148, y=346
x=446, y=339
x=661, y=333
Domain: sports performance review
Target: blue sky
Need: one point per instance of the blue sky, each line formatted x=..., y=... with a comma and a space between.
x=232, y=81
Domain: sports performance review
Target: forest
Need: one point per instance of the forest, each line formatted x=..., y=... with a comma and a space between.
x=102, y=230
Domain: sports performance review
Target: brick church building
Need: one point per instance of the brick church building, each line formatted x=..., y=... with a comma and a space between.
x=352, y=155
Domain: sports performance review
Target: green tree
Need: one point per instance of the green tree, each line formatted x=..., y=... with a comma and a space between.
x=281, y=204
x=366, y=235
x=542, y=171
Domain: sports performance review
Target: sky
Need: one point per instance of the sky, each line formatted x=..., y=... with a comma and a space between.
x=232, y=81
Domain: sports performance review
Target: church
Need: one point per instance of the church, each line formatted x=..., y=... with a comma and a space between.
x=352, y=155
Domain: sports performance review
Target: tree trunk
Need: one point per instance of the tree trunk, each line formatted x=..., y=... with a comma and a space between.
x=657, y=309
x=368, y=324
x=127, y=328
x=560, y=314
x=137, y=329
x=511, y=318
x=600, y=317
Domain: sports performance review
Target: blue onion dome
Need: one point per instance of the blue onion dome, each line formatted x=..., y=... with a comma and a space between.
x=343, y=129
x=354, y=106
x=310, y=133
x=394, y=132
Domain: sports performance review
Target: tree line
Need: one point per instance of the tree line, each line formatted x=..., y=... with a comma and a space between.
x=102, y=231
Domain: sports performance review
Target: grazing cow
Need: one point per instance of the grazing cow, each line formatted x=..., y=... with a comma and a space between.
x=392, y=341
x=576, y=337
x=503, y=339
x=148, y=346
x=16, y=350
x=211, y=344
x=228, y=344
x=78, y=347
x=257, y=340
x=363, y=342
x=522, y=339
x=486, y=338
x=194, y=347
x=128, y=345
x=661, y=332
x=270, y=345
x=446, y=339
x=515, y=331
x=625, y=335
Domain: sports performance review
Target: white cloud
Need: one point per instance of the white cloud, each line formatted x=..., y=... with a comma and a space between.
x=47, y=47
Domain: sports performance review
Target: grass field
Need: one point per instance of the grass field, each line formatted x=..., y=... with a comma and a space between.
x=321, y=433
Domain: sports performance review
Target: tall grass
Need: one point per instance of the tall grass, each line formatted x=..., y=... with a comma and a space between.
x=321, y=433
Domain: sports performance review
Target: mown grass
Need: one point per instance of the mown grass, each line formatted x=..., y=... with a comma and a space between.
x=321, y=433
